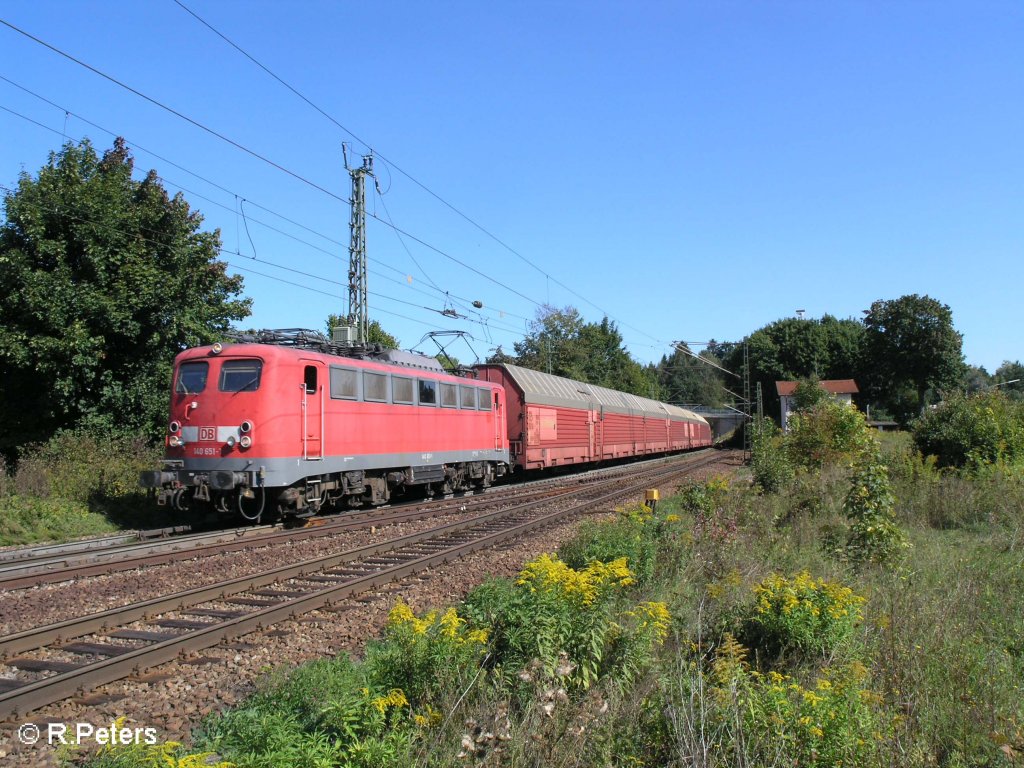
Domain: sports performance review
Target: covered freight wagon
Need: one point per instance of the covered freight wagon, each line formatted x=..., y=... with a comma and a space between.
x=554, y=421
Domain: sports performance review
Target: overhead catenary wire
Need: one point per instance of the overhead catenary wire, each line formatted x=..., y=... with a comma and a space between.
x=322, y=189
x=135, y=145
x=176, y=113
x=257, y=155
x=239, y=197
x=405, y=173
x=222, y=251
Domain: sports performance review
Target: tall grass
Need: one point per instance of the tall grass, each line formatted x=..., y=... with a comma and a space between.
x=776, y=652
x=76, y=484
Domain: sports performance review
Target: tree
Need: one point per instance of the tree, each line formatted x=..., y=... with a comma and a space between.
x=686, y=379
x=103, y=279
x=911, y=347
x=375, y=334
x=792, y=348
x=976, y=378
x=562, y=343
x=1009, y=377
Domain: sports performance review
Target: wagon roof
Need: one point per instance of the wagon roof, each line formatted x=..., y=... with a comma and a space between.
x=547, y=389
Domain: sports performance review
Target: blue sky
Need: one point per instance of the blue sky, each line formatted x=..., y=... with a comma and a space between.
x=694, y=169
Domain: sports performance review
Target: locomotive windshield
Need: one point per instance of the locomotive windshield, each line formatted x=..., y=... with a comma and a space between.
x=240, y=375
x=191, y=378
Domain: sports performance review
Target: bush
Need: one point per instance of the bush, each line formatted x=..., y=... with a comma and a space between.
x=423, y=657
x=873, y=536
x=76, y=484
x=770, y=462
x=772, y=719
x=85, y=467
x=802, y=614
x=561, y=618
x=828, y=433
x=323, y=713
x=632, y=536
x=169, y=754
x=973, y=431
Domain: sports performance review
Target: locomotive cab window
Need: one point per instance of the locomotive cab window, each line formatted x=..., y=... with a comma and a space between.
x=310, y=381
x=344, y=384
x=428, y=392
x=240, y=375
x=401, y=390
x=449, y=395
x=375, y=387
x=192, y=378
x=483, y=399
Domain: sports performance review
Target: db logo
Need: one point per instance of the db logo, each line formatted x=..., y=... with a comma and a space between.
x=207, y=434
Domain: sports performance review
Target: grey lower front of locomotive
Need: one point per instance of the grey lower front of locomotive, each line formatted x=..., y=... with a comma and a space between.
x=225, y=488
x=246, y=485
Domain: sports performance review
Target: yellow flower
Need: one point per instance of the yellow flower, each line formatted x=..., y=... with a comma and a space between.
x=394, y=698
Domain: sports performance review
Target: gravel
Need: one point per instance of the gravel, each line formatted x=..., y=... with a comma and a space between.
x=174, y=697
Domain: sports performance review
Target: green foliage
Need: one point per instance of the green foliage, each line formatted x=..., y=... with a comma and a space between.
x=76, y=484
x=424, y=657
x=29, y=519
x=375, y=334
x=912, y=346
x=103, y=279
x=685, y=379
x=562, y=343
x=947, y=637
x=82, y=465
x=323, y=713
x=873, y=536
x=770, y=719
x=1009, y=377
x=809, y=394
x=170, y=754
x=770, y=461
x=828, y=433
x=631, y=537
x=562, y=618
x=973, y=431
x=793, y=348
x=802, y=613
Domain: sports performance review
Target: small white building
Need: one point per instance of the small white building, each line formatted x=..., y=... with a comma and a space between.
x=842, y=391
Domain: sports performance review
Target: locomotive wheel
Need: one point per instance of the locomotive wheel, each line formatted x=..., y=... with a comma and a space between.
x=182, y=499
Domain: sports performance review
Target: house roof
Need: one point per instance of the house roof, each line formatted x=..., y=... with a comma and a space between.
x=832, y=386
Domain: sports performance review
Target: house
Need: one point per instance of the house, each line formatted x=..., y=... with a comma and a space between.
x=842, y=391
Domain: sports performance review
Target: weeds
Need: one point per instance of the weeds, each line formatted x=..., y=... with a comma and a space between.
x=728, y=652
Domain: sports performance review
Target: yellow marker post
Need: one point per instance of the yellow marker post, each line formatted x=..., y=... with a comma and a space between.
x=651, y=498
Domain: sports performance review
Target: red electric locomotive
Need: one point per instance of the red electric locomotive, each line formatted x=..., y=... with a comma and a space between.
x=287, y=423
x=287, y=428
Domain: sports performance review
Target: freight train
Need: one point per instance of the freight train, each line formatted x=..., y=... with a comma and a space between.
x=286, y=423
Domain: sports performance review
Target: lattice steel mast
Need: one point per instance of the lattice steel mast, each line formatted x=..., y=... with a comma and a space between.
x=358, y=310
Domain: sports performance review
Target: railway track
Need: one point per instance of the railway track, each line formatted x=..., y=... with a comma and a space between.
x=52, y=564
x=110, y=645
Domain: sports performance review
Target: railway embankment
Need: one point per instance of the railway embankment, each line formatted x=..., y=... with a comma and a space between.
x=867, y=609
x=174, y=697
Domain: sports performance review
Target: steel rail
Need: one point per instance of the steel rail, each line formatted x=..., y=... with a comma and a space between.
x=31, y=696
x=104, y=562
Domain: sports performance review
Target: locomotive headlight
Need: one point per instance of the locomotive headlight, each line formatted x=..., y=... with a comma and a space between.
x=245, y=442
x=174, y=441
x=217, y=348
x=174, y=427
x=246, y=426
